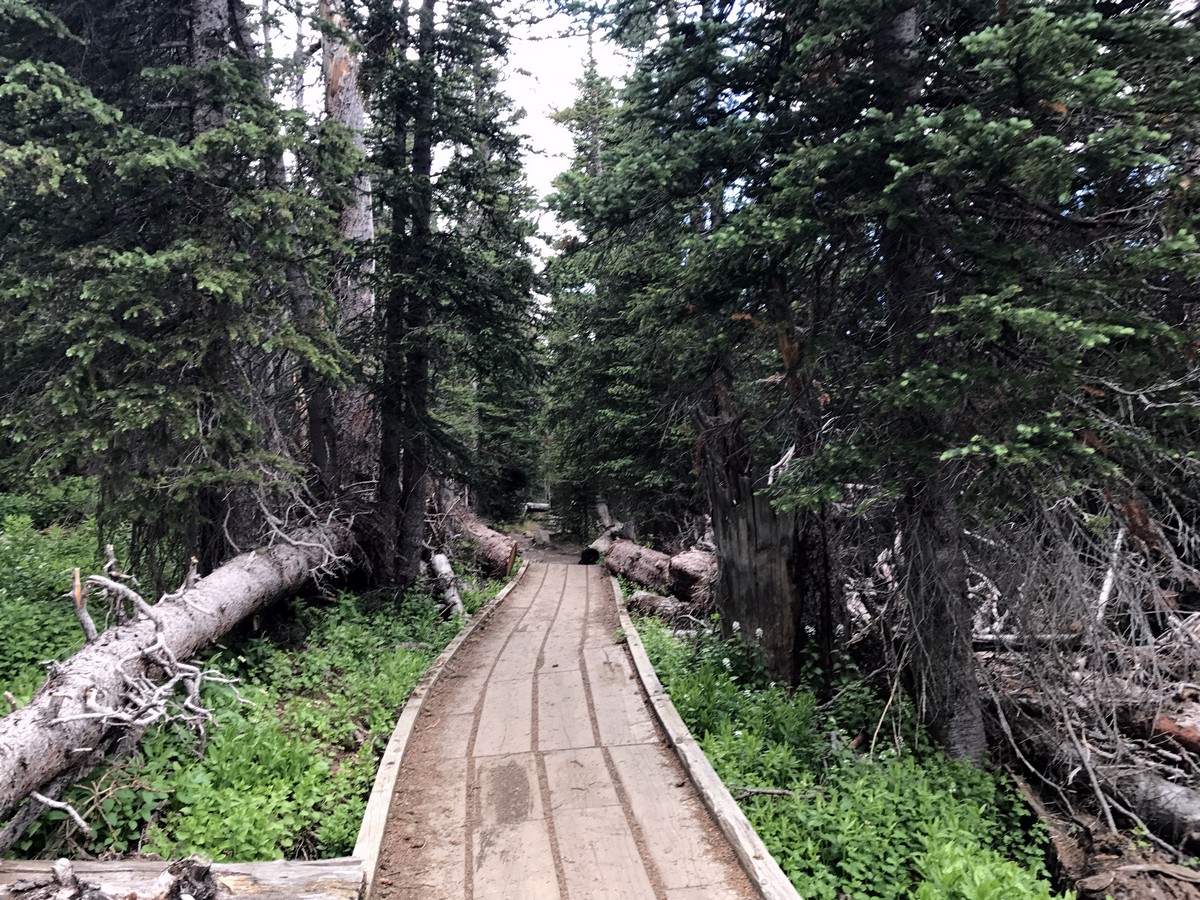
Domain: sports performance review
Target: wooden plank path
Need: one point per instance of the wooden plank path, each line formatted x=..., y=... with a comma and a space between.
x=536, y=770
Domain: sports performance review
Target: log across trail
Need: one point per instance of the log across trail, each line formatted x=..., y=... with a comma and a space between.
x=536, y=770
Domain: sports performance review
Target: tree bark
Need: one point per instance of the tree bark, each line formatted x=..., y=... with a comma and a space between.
x=57, y=733
x=693, y=575
x=496, y=552
x=941, y=619
x=415, y=480
x=641, y=565
x=770, y=587
x=353, y=459
x=447, y=582
x=648, y=604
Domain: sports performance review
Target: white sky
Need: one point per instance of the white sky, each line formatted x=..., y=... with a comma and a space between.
x=543, y=70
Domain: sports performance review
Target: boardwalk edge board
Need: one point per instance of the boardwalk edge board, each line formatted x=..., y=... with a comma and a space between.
x=761, y=867
x=370, y=833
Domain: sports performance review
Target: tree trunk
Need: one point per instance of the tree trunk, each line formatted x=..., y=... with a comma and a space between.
x=639, y=564
x=415, y=481
x=57, y=733
x=766, y=587
x=210, y=36
x=351, y=418
x=941, y=619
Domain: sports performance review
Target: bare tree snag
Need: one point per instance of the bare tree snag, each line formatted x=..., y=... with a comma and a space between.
x=88, y=704
x=352, y=418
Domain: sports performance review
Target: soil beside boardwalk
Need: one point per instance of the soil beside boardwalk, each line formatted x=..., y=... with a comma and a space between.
x=536, y=769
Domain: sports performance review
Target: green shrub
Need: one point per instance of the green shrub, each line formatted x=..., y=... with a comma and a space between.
x=36, y=619
x=903, y=822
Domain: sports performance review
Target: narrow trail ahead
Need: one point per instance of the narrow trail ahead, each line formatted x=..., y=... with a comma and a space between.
x=536, y=769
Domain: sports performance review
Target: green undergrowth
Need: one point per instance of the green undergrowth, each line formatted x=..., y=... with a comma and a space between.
x=286, y=774
x=35, y=572
x=901, y=821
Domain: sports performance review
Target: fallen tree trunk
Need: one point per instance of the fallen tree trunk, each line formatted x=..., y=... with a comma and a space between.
x=693, y=575
x=649, y=568
x=497, y=553
x=648, y=604
x=598, y=549
x=91, y=702
x=689, y=576
x=1169, y=810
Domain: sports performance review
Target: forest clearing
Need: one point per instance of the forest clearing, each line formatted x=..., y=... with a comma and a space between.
x=859, y=340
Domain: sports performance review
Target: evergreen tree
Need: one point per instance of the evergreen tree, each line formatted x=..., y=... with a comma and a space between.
x=455, y=272
x=146, y=246
x=933, y=251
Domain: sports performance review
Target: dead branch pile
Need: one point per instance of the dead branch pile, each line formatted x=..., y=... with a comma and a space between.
x=1087, y=636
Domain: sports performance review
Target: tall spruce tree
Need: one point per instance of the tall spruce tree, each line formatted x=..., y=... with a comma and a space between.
x=147, y=243
x=944, y=256
x=455, y=271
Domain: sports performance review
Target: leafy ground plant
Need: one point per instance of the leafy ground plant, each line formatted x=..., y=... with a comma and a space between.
x=902, y=821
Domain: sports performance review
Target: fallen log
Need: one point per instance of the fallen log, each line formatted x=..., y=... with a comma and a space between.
x=1169, y=810
x=689, y=576
x=693, y=575
x=641, y=565
x=496, y=553
x=327, y=879
x=598, y=549
x=97, y=699
x=648, y=604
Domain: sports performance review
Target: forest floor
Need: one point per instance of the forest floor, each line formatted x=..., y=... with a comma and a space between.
x=536, y=769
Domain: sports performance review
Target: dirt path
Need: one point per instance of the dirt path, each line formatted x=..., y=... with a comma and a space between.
x=536, y=769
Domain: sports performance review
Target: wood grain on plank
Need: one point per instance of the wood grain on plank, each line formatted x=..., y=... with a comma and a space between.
x=600, y=856
x=621, y=714
x=515, y=862
x=668, y=810
x=563, y=719
x=506, y=724
x=579, y=779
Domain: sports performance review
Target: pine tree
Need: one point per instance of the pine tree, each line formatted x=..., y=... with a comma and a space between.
x=145, y=246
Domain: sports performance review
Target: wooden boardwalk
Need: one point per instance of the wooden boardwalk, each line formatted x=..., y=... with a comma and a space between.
x=536, y=769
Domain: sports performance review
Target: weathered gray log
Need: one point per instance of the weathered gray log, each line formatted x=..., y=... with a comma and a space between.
x=641, y=565
x=693, y=575
x=1172, y=811
x=329, y=879
x=447, y=582
x=60, y=729
x=648, y=604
